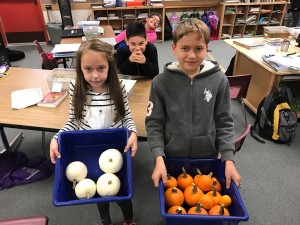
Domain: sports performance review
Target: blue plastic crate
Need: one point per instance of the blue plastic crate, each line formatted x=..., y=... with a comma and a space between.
x=86, y=146
x=237, y=208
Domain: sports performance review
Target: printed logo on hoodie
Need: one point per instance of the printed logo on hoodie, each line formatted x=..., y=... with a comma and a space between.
x=208, y=95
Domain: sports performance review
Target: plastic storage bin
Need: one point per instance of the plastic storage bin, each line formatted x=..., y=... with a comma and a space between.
x=59, y=75
x=86, y=146
x=237, y=209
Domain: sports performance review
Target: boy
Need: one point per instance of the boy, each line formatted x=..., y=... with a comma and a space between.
x=189, y=110
x=141, y=56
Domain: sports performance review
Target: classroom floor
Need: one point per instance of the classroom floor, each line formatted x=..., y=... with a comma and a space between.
x=270, y=172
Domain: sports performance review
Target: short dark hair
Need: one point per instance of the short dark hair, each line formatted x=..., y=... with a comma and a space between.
x=135, y=29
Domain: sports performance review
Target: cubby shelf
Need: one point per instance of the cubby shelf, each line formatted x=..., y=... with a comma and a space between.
x=248, y=19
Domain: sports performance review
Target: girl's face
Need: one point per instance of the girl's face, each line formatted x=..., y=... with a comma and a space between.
x=137, y=44
x=152, y=22
x=190, y=52
x=94, y=66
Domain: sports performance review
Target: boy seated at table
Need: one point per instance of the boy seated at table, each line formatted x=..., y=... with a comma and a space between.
x=140, y=59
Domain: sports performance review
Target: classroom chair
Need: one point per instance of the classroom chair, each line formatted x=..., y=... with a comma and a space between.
x=47, y=62
x=239, y=85
x=33, y=220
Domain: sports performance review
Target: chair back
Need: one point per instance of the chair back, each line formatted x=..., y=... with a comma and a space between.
x=238, y=142
x=239, y=85
x=38, y=46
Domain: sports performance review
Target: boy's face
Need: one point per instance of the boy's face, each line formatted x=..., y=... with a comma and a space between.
x=190, y=52
x=137, y=44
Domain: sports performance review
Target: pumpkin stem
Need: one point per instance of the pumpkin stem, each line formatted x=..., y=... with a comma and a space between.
x=174, y=190
x=168, y=176
x=198, y=207
x=199, y=172
x=221, y=212
x=74, y=184
x=109, y=182
x=214, y=189
x=184, y=172
x=210, y=174
x=88, y=195
x=194, y=189
x=179, y=210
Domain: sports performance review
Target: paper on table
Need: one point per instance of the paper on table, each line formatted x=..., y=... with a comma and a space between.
x=26, y=97
x=64, y=48
x=110, y=41
x=128, y=86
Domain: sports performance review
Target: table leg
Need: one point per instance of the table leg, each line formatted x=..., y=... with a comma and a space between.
x=12, y=146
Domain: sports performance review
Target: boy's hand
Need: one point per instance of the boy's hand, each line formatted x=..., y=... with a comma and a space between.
x=54, y=153
x=137, y=57
x=159, y=171
x=132, y=142
x=231, y=173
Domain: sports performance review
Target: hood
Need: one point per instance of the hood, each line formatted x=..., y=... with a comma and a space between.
x=207, y=67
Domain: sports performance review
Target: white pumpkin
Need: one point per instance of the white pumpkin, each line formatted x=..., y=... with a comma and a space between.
x=85, y=188
x=108, y=184
x=76, y=171
x=111, y=161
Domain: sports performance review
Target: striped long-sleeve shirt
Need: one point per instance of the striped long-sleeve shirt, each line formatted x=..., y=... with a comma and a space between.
x=98, y=113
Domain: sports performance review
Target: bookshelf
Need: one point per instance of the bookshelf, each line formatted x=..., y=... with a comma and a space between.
x=238, y=20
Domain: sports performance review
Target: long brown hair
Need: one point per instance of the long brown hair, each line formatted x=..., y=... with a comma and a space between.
x=112, y=81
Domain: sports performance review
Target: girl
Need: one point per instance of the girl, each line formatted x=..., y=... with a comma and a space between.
x=98, y=101
x=152, y=22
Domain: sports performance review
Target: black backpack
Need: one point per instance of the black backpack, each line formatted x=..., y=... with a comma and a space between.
x=168, y=29
x=275, y=120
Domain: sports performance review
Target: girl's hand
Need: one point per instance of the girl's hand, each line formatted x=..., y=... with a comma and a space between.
x=54, y=153
x=131, y=143
x=231, y=173
x=159, y=172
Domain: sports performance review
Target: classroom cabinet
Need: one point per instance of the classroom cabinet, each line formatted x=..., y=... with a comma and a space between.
x=239, y=20
x=119, y=17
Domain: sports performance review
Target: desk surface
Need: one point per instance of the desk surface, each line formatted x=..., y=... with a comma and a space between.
x=52, y=119
x=108, y=33
x=255, y=54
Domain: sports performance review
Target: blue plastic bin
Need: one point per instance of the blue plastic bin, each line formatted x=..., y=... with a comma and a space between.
x=237, y=209
x=86, y=146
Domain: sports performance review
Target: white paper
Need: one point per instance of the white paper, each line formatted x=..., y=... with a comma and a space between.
x=62, y=48
x=26, y=97
x=128, y=86
x=56, y=87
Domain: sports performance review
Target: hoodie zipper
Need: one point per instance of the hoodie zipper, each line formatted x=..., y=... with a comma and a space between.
x=193, y=108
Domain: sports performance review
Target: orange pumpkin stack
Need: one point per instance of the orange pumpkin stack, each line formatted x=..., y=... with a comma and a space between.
x=200, y=194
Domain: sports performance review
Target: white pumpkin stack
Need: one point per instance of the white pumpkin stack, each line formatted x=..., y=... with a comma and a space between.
x=76, y=172
x=108, y=184
x=110, y=162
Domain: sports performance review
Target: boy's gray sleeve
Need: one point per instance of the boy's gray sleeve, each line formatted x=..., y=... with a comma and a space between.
x=155, y=122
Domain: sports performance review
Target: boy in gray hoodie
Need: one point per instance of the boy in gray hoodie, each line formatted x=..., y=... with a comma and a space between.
x=189, y=110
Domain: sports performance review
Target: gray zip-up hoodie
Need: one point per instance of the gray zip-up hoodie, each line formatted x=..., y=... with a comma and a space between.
x=190, y=117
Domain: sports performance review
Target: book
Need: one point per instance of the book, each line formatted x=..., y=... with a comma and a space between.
x=52, y=99
x=249, y=43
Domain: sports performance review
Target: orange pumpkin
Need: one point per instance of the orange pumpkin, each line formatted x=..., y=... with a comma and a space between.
x=225, y=200
x=176, y=209
x=215, y=195
x=171, y=182
x=184, y=180
x=219, y=210
x=192, y=194
x=204, y=182
x=198, y=209
x=174, y=196
x=207, y=201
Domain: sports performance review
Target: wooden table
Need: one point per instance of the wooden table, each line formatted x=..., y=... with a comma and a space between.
x=52, y=119
x=263, y=77
x=108, y=32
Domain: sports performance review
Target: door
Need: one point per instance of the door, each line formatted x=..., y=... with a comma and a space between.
x=23, y=21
